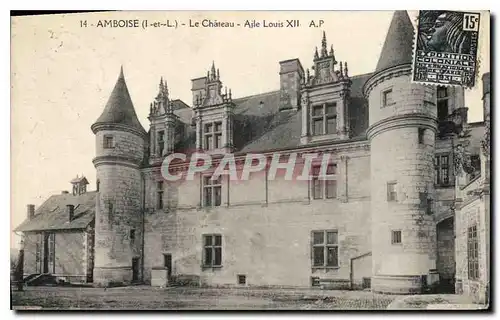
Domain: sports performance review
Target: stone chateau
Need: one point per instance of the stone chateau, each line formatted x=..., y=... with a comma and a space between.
x=406, y=212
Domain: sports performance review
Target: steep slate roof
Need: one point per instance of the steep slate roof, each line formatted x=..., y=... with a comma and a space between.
x=52, y=215
x=119, y=108
x=398, y=45
x=260, y=126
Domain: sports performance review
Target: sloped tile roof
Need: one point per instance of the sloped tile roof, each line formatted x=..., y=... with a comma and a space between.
x=259, y=125
x=52, y=215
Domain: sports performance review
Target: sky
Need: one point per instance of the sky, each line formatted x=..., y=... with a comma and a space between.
x=63, y=72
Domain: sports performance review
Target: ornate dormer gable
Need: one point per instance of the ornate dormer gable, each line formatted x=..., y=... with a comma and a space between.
x=162, y=118
x=213, y=113
x=325, y=98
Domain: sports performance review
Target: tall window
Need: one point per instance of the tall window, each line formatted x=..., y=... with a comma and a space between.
x=472, y=253
x=213, y=135
x=132, y=235
x=421, y=134
x=212, y=191
x=325, y=248
x=159, y=195
x=442, y=103
x=387, y=99
x=108, y=142
x=442, y=170
x=161, y=142
x=392, y=194
x=323, y=188
x=212, y=250
x=324, y=119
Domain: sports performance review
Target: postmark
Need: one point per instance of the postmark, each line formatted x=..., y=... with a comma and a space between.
x=446, y=48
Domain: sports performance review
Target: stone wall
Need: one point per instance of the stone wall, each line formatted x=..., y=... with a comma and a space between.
x=265, y=226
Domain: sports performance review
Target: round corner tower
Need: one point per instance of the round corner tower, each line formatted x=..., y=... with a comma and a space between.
x=402, y=130
x=120, y=140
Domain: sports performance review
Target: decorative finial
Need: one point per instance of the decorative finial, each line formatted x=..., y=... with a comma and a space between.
x=213, y=70
x=121, y=72
x=346, y=70
x=341, y=71
x=324, y=50
x=331, y=50
x=316, y=56
x=230, y=94
x=166, y=87
x=308, y=75
x=218, y=76
x=225, y=91
x=161, y=85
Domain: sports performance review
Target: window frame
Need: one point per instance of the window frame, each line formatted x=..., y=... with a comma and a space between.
x=212, y=246
x=108, y=141
x=159, y=195
x=389, y=192
x=387, y=102
x=323, y=183
x=421, y=136
x=323, y=118
x=395, y=236
x=212, y=186
x=440, y=101
x=160, y=143
x=440, y=167
x=326, y=246
x=472, y=253
x=212, y=138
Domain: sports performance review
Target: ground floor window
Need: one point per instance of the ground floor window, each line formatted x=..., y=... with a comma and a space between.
x=472, y=253
x=325, y=249
x=212, y=250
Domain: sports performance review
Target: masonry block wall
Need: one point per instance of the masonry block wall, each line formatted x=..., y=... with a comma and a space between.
x=402, y=137
x=70, y=256
x=30, y=241
x=265, y=226
x=118, y=207
x=471, y=213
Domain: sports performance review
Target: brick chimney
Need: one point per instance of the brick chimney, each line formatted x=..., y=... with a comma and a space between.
x=70, y=210
x=31, y=211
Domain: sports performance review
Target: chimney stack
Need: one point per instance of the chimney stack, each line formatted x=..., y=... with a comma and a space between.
x=70, y=209
x=31, y=211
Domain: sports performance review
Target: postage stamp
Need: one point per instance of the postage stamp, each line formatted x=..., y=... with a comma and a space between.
x=446, y=48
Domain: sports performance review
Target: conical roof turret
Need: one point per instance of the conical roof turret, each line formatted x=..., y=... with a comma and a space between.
x=398, y=45
x=119, y=109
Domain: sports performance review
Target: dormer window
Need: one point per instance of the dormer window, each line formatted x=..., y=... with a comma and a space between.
x=213, y=135
x=324, y=119
x=108, y=142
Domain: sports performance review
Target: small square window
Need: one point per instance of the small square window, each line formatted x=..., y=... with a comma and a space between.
x=242, y=279
x=132, y=235
x=108, y=142
x=387, y=98
x=396, y=237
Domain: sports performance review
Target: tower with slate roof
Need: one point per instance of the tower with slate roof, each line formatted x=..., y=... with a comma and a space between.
x=402, y=133
x=120, y=145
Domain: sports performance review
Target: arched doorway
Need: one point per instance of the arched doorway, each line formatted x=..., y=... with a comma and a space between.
x=446, y=255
